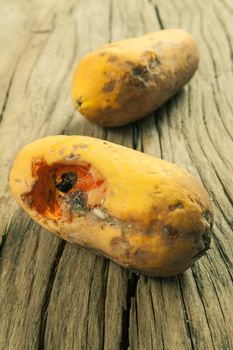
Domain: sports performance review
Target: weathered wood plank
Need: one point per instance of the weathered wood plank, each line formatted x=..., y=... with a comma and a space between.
x=56, y=295
x=26, y=275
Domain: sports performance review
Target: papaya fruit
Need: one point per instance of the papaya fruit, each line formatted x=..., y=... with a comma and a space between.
x=126, y=80
x=142, y=212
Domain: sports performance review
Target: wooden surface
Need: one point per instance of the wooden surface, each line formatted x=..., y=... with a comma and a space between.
x=55, y=295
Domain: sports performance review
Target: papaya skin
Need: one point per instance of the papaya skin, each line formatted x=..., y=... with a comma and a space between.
x=126, y=80
x=142, y=212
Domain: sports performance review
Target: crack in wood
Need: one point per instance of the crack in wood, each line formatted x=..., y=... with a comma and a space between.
x=157, y=127
x=203, y=305
x=47, y=296
x=222, y=24
x=209, y=133
x=168, y=118
x=67, y=123
x=228, y=196
x=6, y=97
x=185, y=313
x=135, y=135
x=220, y=114
x=16, y=223
x=229, y=222
x=42, y=31
x=154, y=318
x=203, y=31
x=110, y=21
x=219, y=302
x=9, y=88
x=75, y=49
x=225, y=259
x=105, y=273
x=227, y=6
x=35, y=62
x=130, y=294
x=215, y=200
x=89, y=298
x=159, y=17
x=3, y=242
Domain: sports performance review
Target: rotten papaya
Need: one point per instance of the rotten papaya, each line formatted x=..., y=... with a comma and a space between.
x=126, y=80
x=142, y=212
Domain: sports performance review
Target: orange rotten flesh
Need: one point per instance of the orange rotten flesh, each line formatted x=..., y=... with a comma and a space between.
x=54, y=182
x=142, y=212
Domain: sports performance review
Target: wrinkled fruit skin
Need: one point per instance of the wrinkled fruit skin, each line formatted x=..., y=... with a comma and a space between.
x=126, y=80
x=142, y=212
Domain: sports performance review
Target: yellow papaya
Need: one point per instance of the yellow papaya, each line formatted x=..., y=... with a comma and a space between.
x=126, y=80
x=142, y=212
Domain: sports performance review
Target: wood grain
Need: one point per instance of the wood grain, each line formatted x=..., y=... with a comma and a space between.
x=55, y=295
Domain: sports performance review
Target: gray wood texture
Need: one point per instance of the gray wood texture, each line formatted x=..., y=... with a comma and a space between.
x=55, y=295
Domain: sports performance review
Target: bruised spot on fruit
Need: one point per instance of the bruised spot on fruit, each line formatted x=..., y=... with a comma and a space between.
x=79, y=102
x=112, y=58
x=72, y=156
x=109, y=87
x=143, y=256
x=103, y=53
x=153, y=63
x=178, y=205
x=120, y=246
x=151, y=58
x=170, y=231
x=63, y=185
x=79, y=146
x=130, y=64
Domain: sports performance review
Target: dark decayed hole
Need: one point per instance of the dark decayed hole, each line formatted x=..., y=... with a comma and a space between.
x=68, y=180
x=206, y=238
x=78, y=102
x=139, y=71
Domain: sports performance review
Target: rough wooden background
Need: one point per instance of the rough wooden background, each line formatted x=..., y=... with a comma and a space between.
x=55, y=295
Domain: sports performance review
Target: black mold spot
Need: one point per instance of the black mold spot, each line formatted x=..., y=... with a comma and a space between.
x=79, y=102
x=68, y=180
x=178, y=205
x=72, y=156
x=113, y=59
x=140, y=71
x=199, y=254
x=154, y=63
x=206, y=238
x=78, y=200
x=170, y=231
x=151, y=58
x=208, y=217
x=109, y=87
x=130, y=63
